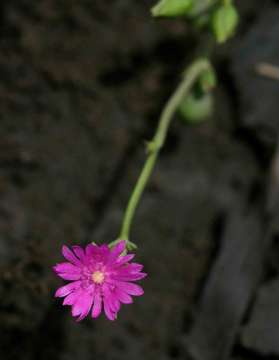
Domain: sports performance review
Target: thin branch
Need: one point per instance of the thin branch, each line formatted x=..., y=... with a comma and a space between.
x=268, y=70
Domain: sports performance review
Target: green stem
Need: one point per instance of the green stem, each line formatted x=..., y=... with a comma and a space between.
x=190, y=77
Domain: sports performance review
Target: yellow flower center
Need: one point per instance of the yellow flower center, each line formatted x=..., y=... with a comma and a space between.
x=98, y=277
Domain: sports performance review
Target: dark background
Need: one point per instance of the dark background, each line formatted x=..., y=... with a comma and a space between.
x=82, y=83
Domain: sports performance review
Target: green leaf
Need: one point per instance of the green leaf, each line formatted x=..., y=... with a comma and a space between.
x=224, y=22
x=195, y=109
x=171, y=8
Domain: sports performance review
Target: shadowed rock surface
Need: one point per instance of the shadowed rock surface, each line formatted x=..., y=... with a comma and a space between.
x=259, y=334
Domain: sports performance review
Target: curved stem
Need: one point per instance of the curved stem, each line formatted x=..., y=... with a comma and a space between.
x=190, y=77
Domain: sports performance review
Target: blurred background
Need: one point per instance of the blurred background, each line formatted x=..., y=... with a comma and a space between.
x=82, y=84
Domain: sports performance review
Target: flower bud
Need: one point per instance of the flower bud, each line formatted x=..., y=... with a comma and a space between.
x=196, y=107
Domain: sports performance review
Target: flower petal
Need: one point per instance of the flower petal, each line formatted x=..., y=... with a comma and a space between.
x=67, y=271
x=123, y=259
x=127, y=270
x=114, y=303
x=68, y=255
x=67, y=289
x=99, y=255
x=123, y=296
x=90, y=251
x=83, y=305
x=129, y=288
x=110, y=314
x=116, y=251
x=69, y=276
x=135, y=267
x=103, y=252
x=79, y=252
x=66, y=268
x=128, y=277
x=97, y=305
x=72, y=297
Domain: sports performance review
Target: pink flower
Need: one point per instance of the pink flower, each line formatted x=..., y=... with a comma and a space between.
x=100, y=277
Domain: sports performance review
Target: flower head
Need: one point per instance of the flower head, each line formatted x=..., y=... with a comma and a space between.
x=100, y=278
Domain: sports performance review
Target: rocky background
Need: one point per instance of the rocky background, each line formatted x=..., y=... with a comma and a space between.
x=81, y=86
